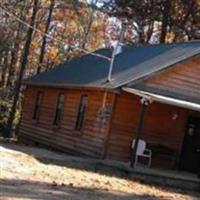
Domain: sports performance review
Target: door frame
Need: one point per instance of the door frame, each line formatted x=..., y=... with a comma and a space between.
x=188, y=117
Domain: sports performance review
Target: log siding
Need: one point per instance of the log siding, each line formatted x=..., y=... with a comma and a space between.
x=89, y=141
x=183, y=79
x=161, y=130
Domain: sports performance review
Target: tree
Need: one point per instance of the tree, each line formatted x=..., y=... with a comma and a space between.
x=44, y=41
x=16, y=48
x=24, y=60
x=185, y=20
x=163, y=20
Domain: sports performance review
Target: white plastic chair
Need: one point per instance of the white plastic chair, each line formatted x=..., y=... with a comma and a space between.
x=142, y=152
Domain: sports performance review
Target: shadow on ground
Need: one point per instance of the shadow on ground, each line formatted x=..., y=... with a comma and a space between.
x=92, y=165
x=47, y=156
x=24, y=189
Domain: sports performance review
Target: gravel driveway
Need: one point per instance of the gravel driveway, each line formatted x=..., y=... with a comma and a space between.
x=35, y=173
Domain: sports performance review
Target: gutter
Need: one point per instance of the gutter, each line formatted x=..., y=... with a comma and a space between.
x=72, y=86
x=163, y=99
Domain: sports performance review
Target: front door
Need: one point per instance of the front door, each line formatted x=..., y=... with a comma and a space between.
x=190, y=159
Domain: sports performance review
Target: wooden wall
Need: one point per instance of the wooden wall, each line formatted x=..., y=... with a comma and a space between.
x=163, y=130
x=89, y=141
x=125, y=115
x=183, y=78
x=106, y=133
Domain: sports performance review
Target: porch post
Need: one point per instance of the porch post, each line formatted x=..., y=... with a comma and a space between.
x=144, y=104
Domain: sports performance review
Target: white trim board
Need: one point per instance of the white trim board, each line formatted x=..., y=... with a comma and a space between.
x=164, y=99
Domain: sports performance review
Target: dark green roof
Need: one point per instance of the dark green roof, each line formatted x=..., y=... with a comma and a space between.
x=135, y=62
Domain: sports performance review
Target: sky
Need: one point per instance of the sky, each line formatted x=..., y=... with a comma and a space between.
x=99, y=2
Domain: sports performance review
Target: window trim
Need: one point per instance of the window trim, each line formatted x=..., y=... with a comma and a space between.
x=80, y=118
x=38, y=105
x=57, y=112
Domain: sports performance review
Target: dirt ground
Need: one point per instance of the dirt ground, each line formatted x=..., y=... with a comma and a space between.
x=35, y=173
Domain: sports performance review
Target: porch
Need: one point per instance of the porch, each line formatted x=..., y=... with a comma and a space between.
x=187, y=157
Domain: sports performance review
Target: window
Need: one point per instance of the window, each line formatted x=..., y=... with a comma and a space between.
x=38, y=104
x=81, y=112
x=59, y=109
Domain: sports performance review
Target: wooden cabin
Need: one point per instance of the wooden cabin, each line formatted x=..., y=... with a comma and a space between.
x=73, y=108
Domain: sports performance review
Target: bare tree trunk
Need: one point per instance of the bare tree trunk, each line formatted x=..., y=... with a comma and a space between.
x=87, y=29
x=14, y=53
x=150, y=31
x=24, y=61
x=165, y=20
x=4, y=69
x=42, y=51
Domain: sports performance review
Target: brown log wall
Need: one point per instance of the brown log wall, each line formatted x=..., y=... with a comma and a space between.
x=183, y=78
x=163, y=133
x=89, y=141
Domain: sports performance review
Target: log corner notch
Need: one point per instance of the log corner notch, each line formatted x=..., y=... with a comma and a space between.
x=144, y=103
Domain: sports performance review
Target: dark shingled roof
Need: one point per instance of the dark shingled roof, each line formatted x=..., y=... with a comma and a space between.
x=134, y=63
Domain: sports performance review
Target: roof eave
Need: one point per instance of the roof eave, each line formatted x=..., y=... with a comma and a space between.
x=72, y=86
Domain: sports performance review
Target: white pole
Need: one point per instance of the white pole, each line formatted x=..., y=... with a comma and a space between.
x=119, y=42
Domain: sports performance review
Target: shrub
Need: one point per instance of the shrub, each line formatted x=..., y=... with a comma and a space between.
x=5, y=107
x=4, y=113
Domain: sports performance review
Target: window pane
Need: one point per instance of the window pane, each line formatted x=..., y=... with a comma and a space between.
x=59, y=108
x=38, y=104
x=60, y=101
x=81, y=112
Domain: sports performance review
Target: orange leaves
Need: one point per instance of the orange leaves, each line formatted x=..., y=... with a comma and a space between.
x=52, y=53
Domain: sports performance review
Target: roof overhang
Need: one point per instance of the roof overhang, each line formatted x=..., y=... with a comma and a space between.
x=72, y=86
x=163, y=99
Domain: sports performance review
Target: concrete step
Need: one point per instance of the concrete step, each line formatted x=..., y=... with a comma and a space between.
x=170, y=178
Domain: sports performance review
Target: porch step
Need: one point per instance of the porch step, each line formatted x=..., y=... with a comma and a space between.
x=169, y=178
